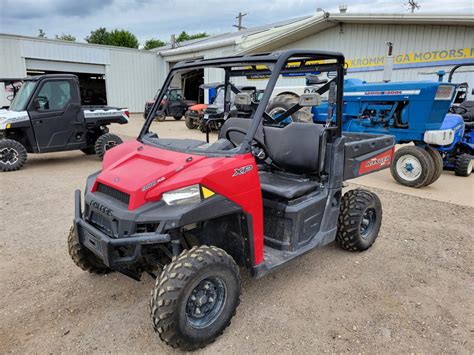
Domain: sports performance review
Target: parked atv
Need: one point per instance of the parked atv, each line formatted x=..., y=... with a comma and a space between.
x=216, y=114
x=194, y=115
x=172, y=104
x=260, y=196
x=46, y=116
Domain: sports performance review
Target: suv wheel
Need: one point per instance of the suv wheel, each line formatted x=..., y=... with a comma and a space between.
x=12, y=155
x=195, y=297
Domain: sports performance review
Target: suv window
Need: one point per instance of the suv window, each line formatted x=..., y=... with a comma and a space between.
x=54, y=95
x=175, y=95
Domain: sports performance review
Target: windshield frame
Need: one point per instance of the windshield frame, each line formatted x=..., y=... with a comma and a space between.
x=275, y=63
x=20, y=95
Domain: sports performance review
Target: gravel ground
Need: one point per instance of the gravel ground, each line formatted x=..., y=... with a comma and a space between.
x=411, y=292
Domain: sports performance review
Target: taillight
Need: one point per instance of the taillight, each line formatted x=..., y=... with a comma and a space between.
x=127, y=113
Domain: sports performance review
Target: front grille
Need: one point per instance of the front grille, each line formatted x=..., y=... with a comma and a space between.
x=101, y=223
x=114, y=193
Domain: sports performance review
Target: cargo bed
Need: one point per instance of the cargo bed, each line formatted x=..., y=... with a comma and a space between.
x=365, y=153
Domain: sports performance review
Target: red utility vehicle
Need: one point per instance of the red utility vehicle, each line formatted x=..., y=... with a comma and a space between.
x=261, y=195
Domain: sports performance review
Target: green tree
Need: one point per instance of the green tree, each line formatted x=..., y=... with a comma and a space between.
x=99, y=36
x=120, y=38
x=153, y=43
x=65, y=37
x=123, y=38
x=41, y=33
x=184, y=36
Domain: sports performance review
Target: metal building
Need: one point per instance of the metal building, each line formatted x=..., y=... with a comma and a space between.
x=423, y=44
x=113, y=75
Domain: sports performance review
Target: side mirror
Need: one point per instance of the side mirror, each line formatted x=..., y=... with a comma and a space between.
x=472, y=92
x=36, y=103
x=307, y=100
x=312, y=79
x=243, y=98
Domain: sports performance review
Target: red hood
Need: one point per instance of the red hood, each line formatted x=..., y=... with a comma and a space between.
x=198, y=107
x=135, y=168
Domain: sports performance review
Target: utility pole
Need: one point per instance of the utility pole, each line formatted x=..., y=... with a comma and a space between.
x=239, y=18
x=413, y=5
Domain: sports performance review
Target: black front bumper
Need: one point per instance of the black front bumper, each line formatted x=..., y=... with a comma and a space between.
x=106, y=248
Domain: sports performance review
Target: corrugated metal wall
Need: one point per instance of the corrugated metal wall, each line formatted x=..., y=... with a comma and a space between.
x=12, y=65
x=131, y=79
x=362, y=41
x=132, y=76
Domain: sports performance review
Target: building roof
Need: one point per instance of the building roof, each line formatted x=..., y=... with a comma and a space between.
x=267, y=37
x=70, y=43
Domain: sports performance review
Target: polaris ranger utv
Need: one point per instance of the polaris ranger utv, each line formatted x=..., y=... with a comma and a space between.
x=263, y=194
x=46, y=116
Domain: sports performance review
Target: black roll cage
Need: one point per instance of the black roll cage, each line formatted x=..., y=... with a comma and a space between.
x=276, y=63
x=456, y=67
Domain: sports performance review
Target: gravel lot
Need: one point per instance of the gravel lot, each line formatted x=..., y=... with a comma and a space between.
x=411, y=292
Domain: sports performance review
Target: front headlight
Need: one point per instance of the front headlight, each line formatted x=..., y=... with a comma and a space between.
x=185, y=196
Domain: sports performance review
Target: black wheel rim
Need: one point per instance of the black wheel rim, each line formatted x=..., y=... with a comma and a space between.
x=110, y=144
x=367, y=223
x=9, y=156
x=206, y=302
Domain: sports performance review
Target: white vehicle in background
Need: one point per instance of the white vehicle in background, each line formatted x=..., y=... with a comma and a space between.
x=46, y=115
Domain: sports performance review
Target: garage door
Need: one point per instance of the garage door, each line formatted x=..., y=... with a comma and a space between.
x=68, y=67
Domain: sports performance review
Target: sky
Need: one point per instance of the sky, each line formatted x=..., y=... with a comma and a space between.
x=161, y=18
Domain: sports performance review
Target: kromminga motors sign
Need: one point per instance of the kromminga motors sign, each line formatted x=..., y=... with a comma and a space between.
x=414, y=59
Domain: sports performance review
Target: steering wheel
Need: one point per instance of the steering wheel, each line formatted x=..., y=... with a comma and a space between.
x=458, y=110
x=260, y=144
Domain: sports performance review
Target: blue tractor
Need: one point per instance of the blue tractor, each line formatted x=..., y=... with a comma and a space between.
x=459, y=156
x=413, y=112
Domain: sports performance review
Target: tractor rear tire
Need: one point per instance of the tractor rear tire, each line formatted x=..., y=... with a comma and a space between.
x=463, y=165
x=195, y=297
x=84, y=258
x=437, y=164
x=12, y=155
x=105, y=142
x=189, y=122
x=283, y=102
x=359, y=220
x=412, y=166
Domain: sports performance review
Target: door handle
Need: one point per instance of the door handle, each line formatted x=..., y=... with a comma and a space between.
x=39, y=121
